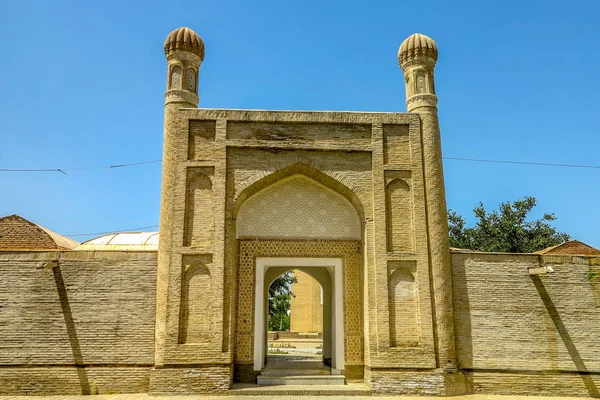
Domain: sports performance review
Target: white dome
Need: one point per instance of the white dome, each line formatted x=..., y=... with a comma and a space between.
x=123, y=241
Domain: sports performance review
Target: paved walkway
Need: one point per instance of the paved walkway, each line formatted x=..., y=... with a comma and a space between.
x=197, y=397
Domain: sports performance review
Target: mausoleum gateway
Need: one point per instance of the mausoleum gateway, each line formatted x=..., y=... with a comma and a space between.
x=354, y=199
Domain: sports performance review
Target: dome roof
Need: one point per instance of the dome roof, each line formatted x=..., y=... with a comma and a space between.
x=123, y=241
x=184, y=39
x=18, y=233
x=417, y=45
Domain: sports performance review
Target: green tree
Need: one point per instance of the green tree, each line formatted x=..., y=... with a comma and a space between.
x=280, y=295
x=279, y=320
x=506, y=229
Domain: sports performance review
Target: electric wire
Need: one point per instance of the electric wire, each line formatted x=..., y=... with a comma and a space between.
x=63, y=171
x=109, y=167
x=523, y=162
x=109, y=232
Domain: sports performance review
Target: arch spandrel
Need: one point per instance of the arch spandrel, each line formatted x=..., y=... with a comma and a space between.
x=338, y=184
x=300, y=208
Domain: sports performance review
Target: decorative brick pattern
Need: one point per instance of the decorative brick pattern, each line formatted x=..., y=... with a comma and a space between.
x=349, y=251
x=297, y=207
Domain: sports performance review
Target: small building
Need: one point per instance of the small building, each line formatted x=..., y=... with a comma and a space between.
x=572, y=247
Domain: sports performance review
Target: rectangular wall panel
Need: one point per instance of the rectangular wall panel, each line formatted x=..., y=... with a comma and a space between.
x=296, y=131
x=199, y=219
x=396, y=144
x=195, y=316
x=201, y=140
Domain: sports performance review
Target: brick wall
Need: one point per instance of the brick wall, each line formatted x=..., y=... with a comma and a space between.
x=18, y=233
x=522, y=334
x=96, y=310
x=572, y=247
x=306, y=306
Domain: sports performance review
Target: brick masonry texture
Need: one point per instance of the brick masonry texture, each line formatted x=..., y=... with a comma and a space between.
x=95, y=310
x=525, y=334
x=212, y=379
x=571, y=247
x=427, y=383
x=306, y=305
x=72, y=380
x=17, y=233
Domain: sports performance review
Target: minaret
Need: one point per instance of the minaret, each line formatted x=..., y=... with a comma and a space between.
x=184, y=51
x=417, y=56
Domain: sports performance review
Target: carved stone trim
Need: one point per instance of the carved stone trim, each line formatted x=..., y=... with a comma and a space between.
x=421, y=100
x=184, y=57
x=416, y=60
x=179, y=96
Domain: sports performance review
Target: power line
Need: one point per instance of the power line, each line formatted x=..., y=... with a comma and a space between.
x=106, y=233
x=154, y=161
x=543, y=164
x=63, y=170
x=523, y=163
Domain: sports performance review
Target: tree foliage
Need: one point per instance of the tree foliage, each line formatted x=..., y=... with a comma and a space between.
x=279, y=319
x=506, y=229
x=280, y=295
x=282, y=284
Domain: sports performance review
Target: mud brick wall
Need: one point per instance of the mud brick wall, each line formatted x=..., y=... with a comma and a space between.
x=522, y=334
x=86, y=325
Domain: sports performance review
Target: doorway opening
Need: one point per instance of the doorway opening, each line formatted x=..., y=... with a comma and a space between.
x=328, y=273
x=295, y=319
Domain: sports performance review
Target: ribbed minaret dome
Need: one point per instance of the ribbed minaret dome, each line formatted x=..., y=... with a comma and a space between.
x=184, y=39
x=417, y=45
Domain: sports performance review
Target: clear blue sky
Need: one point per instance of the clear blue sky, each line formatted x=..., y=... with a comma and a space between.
x=83, y=85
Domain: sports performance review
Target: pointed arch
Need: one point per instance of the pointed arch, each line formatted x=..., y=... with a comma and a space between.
x=403, y=309
x=400, y=222
x=298, y=207
x=199, y=207
x=300, y=168
x=195, y=316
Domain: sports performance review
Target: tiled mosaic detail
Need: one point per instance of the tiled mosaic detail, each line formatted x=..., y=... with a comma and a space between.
x=347, y=250
x=298, y=207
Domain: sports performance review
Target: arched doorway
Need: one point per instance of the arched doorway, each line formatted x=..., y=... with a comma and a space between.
x=328, y=272
x=298, y=222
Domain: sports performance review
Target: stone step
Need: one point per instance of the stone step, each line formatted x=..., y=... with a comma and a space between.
x=351, y=389
x=295, y=371
x=301, y=380
x=280, y=364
